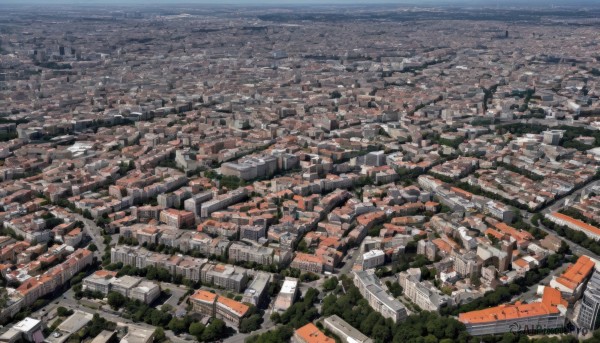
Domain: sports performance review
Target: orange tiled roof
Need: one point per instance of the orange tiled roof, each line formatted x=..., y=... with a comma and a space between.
x=442, y=245
x=308, y=258
x=579, y=223
x=311, y=334
x=521, y=263
x=105, y=273
x=204, y=296
x=550, y=300
x=576, y=273
x=236, y=306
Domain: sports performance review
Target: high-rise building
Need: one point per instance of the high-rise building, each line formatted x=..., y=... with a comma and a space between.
x=590, y=304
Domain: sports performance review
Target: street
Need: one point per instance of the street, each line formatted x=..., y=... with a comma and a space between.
x=530, y=294
x=348, y=263
x=94, y=232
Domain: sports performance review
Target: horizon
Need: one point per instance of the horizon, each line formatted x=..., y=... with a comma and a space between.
x=417, y=3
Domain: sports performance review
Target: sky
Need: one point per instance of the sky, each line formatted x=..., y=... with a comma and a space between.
x=299, y=2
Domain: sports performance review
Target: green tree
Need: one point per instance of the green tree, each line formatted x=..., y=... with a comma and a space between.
x=330, y=284
x=196, y=329
x=159, y=335
x=214, y=331
x=116, y=300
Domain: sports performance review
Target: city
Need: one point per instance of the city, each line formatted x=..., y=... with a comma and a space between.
x=305, y=173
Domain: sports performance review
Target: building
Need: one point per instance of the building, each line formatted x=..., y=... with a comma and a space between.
x=124, y=285
x=223, y=201
x=257, y=292
x=73, y=237
x=309, y=333
x=213, y=305
x=225, y=276
x=287, y=295
x=590, y=304
x=572, y=281
x=28, y=330
x=552, y=137
x=372, y=259
x=253, y=232
x=204, y=302
x=575, y=224
x=71, y=325
x=105, y=337
x=36, y=287
x=346, y=332
x=240, y=252
x=178, y=219
x=370, y=287
x=423, y=294
x=307, y=263
x=467, y=265
x=548, y=314
x=137, y=334
x=427, y=248
x=99, y=281
x=231, y=310
x=146, y=292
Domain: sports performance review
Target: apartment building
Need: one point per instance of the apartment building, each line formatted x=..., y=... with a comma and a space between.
x=99, y=281
x=257, y=292
x=287, y=295
x=225, y=276
x=575, y=224
x=572, y=281
x=253, y=232
x=346, y=332
x=36, y=287
x=423, y=294
x=590, y=304
x=213, y=305
x=548, y=314
x=223, y=201
x=145, y=291
x=240, y=252
x=309, y=333
x=188, y=267
x=204, y=302
x=372, y=259
x=307, y=263
x=125, y=284
x=370, y=287
x=178, y=219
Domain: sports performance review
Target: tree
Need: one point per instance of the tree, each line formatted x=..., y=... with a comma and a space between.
x=63, y=312
x=159, y=335
x=251, y=323
x=330, y=284
x=178, y=325
x=116, y=300
x=214, y=330
x=92, y=247
x=196, y=329
x=87, y=214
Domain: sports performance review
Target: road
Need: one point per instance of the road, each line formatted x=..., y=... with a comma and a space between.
x=176, y=293
x=530, y=295
x=350, y=262
x=95, y=232
x=265, y=326
x=67, y=300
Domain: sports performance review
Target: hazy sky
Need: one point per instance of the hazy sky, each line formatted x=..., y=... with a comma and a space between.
x=298, y=2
